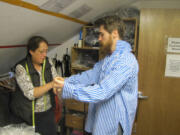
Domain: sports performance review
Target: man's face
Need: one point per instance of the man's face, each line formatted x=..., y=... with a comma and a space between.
x=105, y=40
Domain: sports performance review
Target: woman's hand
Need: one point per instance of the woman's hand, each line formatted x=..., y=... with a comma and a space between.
x=57, y=90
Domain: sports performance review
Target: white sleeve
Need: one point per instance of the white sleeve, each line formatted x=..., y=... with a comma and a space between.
x=24, y=82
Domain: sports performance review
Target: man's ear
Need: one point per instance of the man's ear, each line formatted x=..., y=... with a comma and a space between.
x=115, y=33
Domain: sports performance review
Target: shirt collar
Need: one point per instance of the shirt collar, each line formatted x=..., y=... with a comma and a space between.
x=123, y=46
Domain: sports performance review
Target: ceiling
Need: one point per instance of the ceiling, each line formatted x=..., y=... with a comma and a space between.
x=97, y=7
x=18, y=24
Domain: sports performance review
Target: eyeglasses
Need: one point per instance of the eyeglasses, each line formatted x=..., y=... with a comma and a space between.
x=43, y=51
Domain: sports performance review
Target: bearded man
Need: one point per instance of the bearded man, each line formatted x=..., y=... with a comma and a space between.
x=111, y=87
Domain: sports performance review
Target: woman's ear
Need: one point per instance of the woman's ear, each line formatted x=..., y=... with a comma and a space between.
x=31, y=52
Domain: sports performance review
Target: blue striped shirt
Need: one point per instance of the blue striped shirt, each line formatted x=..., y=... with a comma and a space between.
x=111, y=88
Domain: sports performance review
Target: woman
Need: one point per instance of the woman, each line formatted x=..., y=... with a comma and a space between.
x=33, y=100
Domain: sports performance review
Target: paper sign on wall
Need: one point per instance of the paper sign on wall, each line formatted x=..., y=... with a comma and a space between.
x=173, y=45
x=172, y=65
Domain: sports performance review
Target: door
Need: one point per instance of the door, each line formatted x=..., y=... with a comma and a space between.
x=159, y=114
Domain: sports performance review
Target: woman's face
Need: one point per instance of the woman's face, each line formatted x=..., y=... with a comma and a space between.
x=40, y=53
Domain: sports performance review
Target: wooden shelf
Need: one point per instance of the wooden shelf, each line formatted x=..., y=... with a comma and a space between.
x=87, y=48
x=80, y=68
x=75, y=121
x=135, y=23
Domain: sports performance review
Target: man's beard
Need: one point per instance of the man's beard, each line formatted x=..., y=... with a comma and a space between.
x=105, y=48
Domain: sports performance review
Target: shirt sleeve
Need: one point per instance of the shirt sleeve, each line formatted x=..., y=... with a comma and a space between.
x=88, y=77
x=105, y=89
x=24, y=82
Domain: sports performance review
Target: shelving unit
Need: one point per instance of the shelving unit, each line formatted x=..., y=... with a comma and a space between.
x=131, y=33
x=82, y=59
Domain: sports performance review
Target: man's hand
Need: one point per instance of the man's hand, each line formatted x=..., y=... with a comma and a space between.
x=59, y=82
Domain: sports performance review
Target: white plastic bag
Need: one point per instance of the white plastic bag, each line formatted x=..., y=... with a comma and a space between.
x=18, y=129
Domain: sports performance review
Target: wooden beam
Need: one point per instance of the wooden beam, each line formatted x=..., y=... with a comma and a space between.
x=36, y=8
x=17, y=46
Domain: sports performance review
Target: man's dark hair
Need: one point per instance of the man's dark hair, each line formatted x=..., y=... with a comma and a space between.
x=33, y=43
x=111, y=23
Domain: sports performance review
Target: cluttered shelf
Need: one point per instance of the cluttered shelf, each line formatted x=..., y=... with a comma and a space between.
x=91, y=34
x=84, y=58
x=86, y=48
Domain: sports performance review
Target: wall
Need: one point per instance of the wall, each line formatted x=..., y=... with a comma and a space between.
x=61, y=50
x=18, y=24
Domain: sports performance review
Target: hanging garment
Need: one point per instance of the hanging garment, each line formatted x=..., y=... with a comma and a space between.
x=66, y=61
x=59, y=67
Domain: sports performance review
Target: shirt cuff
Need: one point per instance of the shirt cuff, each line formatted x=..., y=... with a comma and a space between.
x=68, y=90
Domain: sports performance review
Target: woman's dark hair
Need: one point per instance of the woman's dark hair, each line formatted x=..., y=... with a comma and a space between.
x=33, y=43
